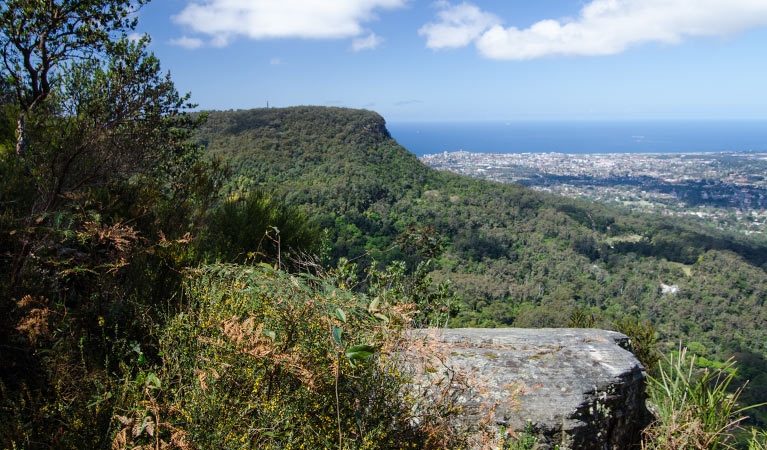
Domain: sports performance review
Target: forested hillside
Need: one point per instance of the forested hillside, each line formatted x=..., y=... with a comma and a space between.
x=517, y=257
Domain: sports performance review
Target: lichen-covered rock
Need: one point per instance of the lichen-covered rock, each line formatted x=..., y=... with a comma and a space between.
x=581, y=388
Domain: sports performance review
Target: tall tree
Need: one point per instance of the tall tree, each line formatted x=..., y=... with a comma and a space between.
x=40, y=37
x=92, y=106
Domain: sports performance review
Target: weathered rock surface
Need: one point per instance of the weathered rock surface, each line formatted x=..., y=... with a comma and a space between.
x=582, y=388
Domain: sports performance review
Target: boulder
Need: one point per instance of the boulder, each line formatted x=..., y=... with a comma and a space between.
x=576, y=388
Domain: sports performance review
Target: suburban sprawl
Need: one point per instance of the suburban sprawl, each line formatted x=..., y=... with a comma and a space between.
x=727, y=190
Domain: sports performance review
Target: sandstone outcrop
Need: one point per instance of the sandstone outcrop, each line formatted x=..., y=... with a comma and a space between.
x=580, y=388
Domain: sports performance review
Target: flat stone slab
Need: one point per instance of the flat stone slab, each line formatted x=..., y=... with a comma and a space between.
x=578, y=388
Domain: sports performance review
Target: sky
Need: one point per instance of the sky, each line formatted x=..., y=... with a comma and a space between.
x=472, y=61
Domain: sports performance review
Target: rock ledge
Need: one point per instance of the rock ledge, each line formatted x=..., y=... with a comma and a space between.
x=582, y=388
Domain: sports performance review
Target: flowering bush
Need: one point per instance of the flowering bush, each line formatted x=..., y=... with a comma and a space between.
x=259, y=358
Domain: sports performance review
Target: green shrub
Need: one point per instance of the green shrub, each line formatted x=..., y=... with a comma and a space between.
x=643, y=340
x=582, y=319
x=695, y=410
x=258, y=358
x=258, y=227
x=523, y=441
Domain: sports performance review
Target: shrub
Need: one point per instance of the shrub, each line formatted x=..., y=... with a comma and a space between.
x=258, y=358
x=582, y=319
x=522, y=441
x=258, y=227
x=643, y=340
x=694, y=410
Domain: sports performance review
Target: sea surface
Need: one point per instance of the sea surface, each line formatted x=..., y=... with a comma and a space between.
x=674, y=136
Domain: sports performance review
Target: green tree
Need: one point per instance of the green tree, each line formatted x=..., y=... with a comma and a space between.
x=93, y=109
x=102, y=198
x=41, y=38
x=259, y=227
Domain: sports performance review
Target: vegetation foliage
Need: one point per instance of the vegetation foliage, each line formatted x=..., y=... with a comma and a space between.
x=514, y=256
x=166, y=281
x=258, y=358
x=694, y=409
x=235, y=230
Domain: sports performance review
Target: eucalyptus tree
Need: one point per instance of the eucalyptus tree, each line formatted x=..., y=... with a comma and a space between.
x=41, y=37
x=92, y=106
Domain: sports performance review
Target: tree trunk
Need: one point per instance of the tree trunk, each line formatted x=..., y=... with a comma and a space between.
x=21, y=139
x=21, y=153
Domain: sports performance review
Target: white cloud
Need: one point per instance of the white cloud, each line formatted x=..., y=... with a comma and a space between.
x=221, y=40
x=190, y=43
x=369, y=42
x=275, y=61
x=606, y=27
x=264, y=19
x=135, y=37
x=458, y=25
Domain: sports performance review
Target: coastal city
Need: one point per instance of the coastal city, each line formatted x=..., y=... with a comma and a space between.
x=726, y=190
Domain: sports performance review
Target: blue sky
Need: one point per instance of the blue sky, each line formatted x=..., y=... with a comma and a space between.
x=414, y=60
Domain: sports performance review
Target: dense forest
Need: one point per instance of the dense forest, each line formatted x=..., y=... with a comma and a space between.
x=173, y=279
x=516, y=257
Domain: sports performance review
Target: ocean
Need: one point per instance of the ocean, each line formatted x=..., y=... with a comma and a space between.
x=673, y=136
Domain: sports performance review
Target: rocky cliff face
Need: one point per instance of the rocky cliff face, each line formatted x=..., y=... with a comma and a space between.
x=578, y=388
